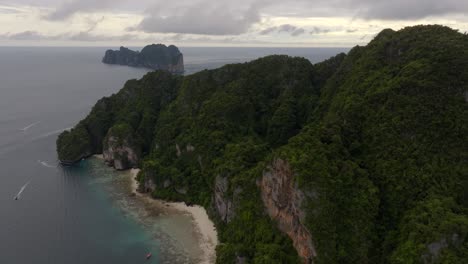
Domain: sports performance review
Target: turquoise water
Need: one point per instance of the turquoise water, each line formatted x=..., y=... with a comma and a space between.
x=123, y=237
x=168, y=234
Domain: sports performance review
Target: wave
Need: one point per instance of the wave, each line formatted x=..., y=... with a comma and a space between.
x=45, y=164
x=8, y=147
x=29, y=126
x=21, y=191
x=51, y=133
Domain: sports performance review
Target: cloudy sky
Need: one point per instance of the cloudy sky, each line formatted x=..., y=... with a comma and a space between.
x=312, y=23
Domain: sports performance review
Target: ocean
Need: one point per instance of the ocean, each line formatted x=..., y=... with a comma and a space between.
x=83, y=214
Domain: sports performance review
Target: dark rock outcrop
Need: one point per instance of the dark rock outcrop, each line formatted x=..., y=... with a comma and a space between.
x=154, y=56
x=225, y=206
x=282, y=200
x=120, y=149
x=181, y=190
x=147, y=185
x=241, y=260
x=434, y=249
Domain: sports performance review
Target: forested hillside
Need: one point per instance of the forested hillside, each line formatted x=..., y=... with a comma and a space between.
x=362, y=158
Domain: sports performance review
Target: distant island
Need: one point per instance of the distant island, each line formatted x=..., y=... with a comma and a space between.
x=154, y=56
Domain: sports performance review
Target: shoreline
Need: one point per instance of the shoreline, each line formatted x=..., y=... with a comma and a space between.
x=204, y=228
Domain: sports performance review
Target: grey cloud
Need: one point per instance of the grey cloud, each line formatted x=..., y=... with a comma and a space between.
x=288, y=28
x=317, y=30
x=177, y=37
x=84, y=36
x=185, y=38
x=268, y=30
x=298, y=32
x=223, y=17
x=205, y=18
x=93, y=23
x=9, y=10
x=406, y=10
x=71, y=7
x=89, y=37
x=26, y=35
x=367, y=9
x=351, y=30
x=31, y=2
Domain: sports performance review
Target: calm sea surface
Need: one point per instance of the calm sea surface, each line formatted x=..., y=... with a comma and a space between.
x=82, y=214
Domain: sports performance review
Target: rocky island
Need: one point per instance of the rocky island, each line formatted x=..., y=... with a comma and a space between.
x=361, y=158
x=154, y=56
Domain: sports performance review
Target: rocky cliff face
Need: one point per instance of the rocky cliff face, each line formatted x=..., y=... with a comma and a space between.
x=123, y=56
x=178, y=67
x=225, y=206
x=120, y=150
x=283, y=200
x=155, y=56
x=146, y=185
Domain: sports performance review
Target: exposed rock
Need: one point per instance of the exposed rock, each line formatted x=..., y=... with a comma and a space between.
x=182, y=190
x=434, y=248
x=224, y=206
x=200, y=162
x=190, y=148
x=167, y=183
x=283, y=200
x=155, y=56
x=119, y=150
x=148, y=185
x=178, y=151
x=241, y=260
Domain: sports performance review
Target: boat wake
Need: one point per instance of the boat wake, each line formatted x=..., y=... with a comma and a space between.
x=24, y=129
x=6, y=148
x=21, y=191
x=45, y=164
x=51, y=133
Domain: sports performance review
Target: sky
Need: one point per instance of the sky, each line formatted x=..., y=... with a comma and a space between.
x=281, y=23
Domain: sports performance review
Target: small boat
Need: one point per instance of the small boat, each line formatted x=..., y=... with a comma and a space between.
x=148, y=256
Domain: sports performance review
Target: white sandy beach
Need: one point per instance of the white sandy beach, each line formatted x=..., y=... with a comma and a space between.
x=206, y=233
x=205, y=228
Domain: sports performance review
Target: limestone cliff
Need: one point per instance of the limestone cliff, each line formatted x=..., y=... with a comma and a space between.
x=434, y=249
x=283, y=200
x=146, y=184
x=224, y=205
x=155, y=56
x=120, y=149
